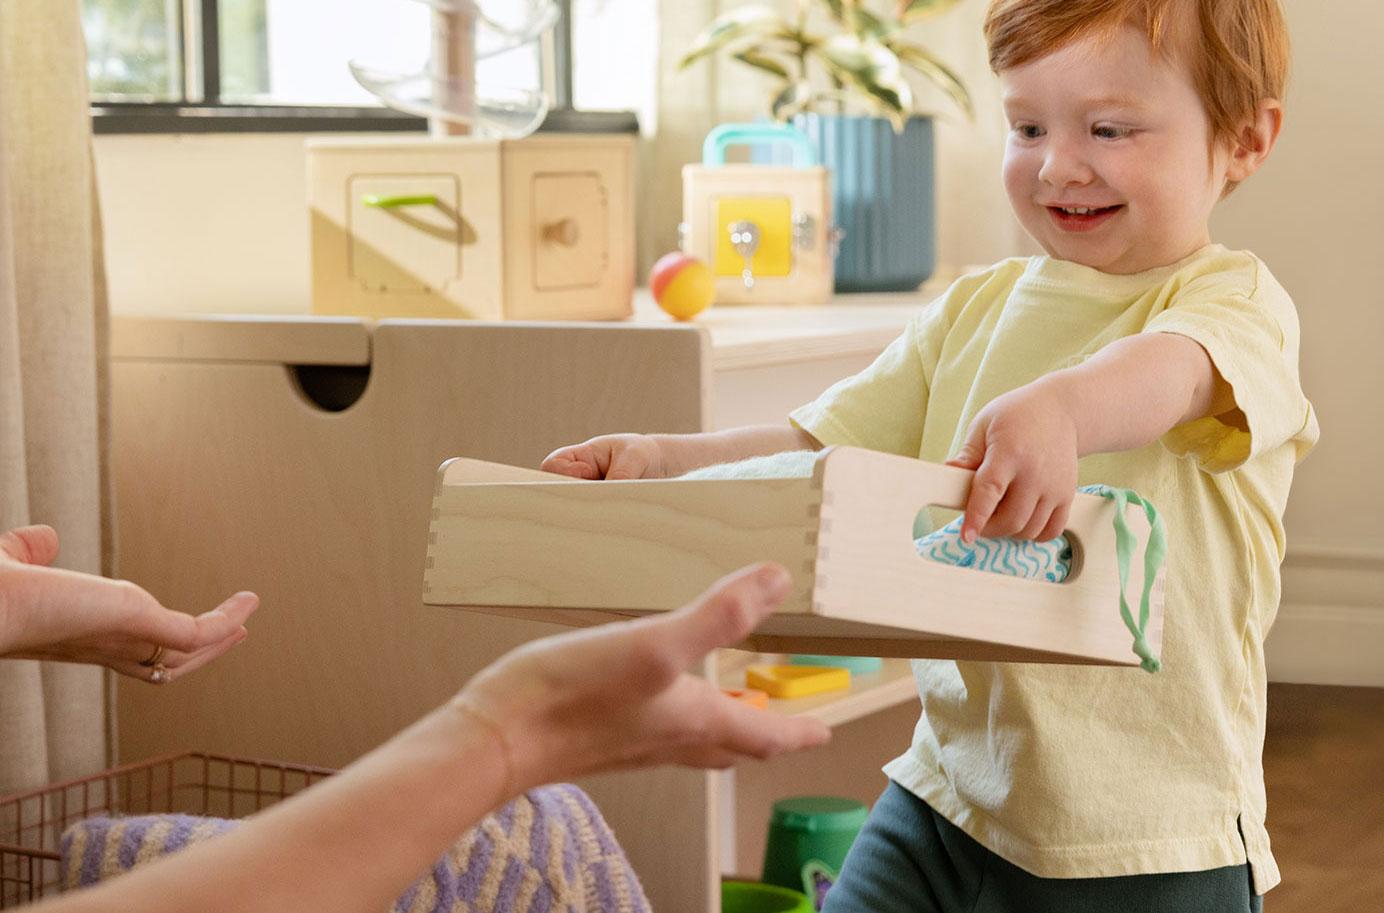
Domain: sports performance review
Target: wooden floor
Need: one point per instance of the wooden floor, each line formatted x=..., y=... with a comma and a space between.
x=1324, y=769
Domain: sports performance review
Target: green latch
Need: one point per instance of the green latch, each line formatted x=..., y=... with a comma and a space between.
x=384, y=201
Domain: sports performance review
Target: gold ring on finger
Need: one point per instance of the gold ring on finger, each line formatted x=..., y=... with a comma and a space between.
x=154, y=658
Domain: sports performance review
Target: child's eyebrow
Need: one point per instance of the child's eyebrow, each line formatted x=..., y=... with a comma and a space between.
x=1099, y=101
x=1114, y=101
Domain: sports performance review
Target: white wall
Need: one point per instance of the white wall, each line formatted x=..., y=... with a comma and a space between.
x=219, y=223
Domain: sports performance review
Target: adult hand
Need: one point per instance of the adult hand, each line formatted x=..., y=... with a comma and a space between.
x=1023, y=448
x=610, y=456
x=620, y=696
x=53, y=614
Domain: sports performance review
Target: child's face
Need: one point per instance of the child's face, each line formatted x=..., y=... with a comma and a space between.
x=1112, y=127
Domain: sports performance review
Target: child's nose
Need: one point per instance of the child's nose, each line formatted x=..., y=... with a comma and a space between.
x=1063, y=165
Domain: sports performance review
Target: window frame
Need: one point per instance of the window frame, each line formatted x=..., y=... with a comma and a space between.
x=202, y=111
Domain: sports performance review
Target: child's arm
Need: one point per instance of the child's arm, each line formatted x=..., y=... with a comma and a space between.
x=663, y=456
x=1024, y=445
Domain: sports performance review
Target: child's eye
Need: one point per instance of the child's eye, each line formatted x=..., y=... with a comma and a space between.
x=1027, y=131
x=1108, y=131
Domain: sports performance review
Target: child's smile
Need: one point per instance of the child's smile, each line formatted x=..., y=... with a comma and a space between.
x=1108, y=161
x=1082, y=218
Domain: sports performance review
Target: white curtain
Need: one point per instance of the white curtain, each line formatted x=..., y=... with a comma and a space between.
x=53, y=717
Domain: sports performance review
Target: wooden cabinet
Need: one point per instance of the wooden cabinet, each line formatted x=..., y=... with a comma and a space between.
x=296, y=457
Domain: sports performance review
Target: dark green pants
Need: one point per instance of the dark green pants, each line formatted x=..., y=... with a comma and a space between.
x=909, y=859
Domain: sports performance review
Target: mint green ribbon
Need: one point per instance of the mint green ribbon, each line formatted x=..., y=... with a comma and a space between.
x=1154, y=553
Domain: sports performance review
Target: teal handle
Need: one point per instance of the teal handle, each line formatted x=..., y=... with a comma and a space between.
x=727, y=135
x=384, y=201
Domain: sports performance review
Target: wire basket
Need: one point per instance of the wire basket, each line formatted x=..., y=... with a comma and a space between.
x=189, y=784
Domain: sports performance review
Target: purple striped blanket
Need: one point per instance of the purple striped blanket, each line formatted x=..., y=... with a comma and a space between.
x=548, y=851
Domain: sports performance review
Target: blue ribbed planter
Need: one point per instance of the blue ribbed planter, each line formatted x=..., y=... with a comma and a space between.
x=882, y=197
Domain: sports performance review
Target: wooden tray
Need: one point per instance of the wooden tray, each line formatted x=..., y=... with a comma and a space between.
x=528, y=544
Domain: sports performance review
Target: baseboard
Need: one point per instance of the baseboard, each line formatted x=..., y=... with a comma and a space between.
x=1330, y=625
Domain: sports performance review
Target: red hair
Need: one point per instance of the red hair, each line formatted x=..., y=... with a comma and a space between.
x=1237, y=49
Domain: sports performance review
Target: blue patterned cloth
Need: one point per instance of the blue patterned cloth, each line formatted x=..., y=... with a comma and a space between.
x=1050, y=560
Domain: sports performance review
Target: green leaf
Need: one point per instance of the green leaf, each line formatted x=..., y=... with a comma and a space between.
x=743, y=24
x=794, y=99
x=762, y=62
x=868, y=25
x=872, y=69
x=922, y=60
x=909, y=11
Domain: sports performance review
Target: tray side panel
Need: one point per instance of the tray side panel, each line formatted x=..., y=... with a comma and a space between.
x=869, y=572
x=612, y=547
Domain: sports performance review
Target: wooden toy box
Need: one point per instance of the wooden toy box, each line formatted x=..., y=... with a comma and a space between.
x=529, y=544
x=534, y=229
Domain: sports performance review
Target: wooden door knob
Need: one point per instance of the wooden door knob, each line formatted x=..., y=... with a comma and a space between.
x=564, y=232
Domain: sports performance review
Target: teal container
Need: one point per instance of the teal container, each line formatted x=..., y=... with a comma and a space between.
x=859, y=665
x=753, y=897
x=883, y=198
x=809, y=837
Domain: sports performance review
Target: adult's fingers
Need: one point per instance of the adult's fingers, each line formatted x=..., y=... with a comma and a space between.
x=746, y=730
x=182, y=664
x=223, y=621
x=179, y=631
x=36, y=544
x=729, y=610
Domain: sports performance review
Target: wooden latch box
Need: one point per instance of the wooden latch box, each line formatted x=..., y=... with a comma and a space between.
x=535, y=229
x=765, y=230
x=529, y=544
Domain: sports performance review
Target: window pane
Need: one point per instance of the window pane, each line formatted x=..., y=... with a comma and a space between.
x=626, y=80
x=133, y=49
x=295, y=52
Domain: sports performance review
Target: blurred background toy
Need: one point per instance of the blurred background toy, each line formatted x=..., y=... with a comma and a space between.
x=682, y=285
x=765, y=230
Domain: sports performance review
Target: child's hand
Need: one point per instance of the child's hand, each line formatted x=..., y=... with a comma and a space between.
x=610, y=456
x=1023, y=447
x=626, y=694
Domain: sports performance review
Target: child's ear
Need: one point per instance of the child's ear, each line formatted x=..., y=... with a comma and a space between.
x=1255, y=141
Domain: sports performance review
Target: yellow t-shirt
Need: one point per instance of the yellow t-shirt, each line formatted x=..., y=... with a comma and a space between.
x=1075, y=771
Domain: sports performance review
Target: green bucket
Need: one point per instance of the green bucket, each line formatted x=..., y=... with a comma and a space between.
x=808, y=840
x=753, y=897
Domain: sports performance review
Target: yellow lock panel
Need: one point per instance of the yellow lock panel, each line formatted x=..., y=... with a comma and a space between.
x=774, y=218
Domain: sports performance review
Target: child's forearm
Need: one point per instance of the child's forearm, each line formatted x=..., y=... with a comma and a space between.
x=684, y=452
x=1136, y=389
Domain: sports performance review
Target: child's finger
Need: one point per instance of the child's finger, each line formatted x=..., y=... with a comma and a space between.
x=1014, y=512
x=565, y=465
x=987, y=489
x=1057, y=523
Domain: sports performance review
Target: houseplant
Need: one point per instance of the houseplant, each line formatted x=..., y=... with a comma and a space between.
x=841, y=74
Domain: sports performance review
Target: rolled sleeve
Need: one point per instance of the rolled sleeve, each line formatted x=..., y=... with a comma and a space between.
x=1255, y=350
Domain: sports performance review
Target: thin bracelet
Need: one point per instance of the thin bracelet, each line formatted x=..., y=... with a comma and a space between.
x=506, y=753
